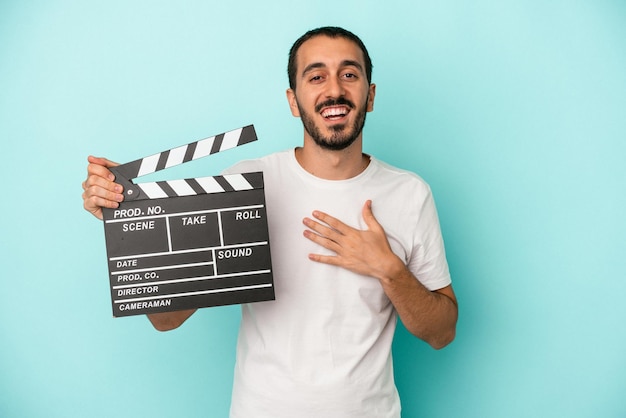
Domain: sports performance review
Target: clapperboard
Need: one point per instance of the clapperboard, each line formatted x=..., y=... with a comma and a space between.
x=192, y=243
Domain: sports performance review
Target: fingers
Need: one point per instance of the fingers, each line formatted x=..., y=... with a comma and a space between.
x=335, y=224
x=334, y=235
x=94, y=204
x=102, y=161
x=362, y=251
x=99, y=189
x=326, y=259
x=330, y=233
x=320, y=228
x=99, y=167
x=320, y=234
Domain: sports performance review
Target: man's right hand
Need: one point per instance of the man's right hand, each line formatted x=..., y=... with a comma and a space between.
x=99, y=189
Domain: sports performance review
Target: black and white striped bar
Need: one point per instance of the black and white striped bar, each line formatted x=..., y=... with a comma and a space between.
x=186, y=153
x=190, y=187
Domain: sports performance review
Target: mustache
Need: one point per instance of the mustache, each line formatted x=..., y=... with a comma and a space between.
x=334, y=102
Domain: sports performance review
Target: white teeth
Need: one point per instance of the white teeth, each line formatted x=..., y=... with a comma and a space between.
x=334, y=111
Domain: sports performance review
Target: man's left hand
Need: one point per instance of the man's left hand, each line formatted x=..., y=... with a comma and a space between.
x=364, y=252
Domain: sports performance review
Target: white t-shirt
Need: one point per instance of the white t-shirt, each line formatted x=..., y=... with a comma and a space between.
x=323, y=347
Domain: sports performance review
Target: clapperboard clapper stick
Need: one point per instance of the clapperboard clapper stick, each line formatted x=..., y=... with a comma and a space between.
x=192, y=243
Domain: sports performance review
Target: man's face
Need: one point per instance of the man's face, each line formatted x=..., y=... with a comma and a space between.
x=332, y=94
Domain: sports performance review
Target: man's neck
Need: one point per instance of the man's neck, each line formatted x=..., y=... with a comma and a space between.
x=332, y=165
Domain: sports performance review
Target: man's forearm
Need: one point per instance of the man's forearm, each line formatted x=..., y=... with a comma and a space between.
x=430, y=316
x=167, y=321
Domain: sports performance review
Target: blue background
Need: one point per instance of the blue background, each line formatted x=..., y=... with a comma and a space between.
x=514, y=112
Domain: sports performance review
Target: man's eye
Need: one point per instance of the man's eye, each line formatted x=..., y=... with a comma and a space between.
x=316, y=78
x=350, y=75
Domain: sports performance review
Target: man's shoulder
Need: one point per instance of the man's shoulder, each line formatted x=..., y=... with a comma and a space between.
x=259, y=164
x=393, y=175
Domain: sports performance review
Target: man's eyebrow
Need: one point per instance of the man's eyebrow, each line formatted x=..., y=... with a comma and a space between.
x=344, y=63
x=313, y=66
x=352, y=63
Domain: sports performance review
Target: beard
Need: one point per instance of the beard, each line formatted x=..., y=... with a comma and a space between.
x=342, y=136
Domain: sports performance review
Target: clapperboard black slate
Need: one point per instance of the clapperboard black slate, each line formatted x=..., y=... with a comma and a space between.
x=192, y=243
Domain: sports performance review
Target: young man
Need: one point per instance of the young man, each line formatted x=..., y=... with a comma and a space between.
x=355, y=242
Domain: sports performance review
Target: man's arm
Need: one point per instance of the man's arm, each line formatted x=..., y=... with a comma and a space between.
x=101, y=191
x=431, y=316
x=168, y=321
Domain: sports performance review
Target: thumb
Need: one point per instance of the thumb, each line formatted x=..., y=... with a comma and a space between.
x=368, y=216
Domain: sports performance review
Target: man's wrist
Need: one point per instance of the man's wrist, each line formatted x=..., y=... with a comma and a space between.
x=392, y=270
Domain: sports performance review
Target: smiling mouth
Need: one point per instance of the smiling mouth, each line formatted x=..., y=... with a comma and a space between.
x=334, y=112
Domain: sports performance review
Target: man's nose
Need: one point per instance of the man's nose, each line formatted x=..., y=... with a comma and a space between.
x=335, y=87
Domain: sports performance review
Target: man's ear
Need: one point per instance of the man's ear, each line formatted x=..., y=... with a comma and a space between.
x=370, y=99
x=293, y=103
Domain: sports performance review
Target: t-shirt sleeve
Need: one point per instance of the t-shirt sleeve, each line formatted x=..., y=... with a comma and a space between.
x=246, y=166
x=428, y=259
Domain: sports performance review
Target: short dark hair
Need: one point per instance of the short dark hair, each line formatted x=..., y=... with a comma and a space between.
x=331, y=32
